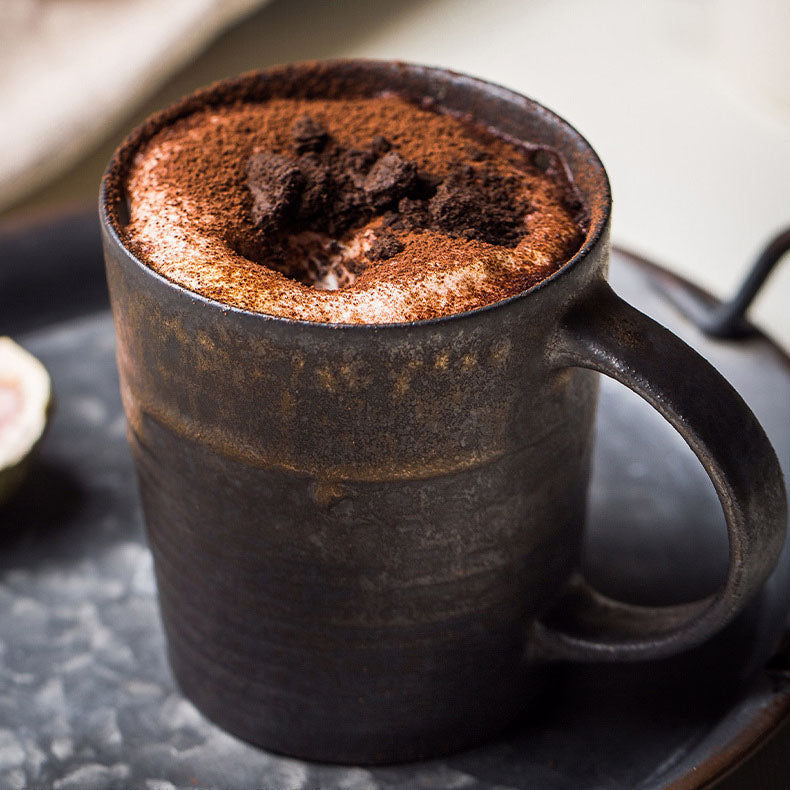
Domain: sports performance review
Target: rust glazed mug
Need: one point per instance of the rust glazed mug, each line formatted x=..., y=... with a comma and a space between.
x=367, y=537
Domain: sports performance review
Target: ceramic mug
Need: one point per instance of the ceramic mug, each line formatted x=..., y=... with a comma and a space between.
x=367, y=537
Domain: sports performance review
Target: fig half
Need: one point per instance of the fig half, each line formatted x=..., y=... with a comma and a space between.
x=25, y=407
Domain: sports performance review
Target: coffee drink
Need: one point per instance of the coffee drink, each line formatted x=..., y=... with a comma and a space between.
x=367, y=210
x=366, y=533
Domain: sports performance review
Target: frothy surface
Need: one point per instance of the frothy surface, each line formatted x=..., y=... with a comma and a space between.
x=198, y=218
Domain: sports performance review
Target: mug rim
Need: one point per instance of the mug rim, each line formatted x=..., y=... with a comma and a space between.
x=115, y=172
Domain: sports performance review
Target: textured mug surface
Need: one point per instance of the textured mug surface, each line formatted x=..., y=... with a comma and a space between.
x=356, y=528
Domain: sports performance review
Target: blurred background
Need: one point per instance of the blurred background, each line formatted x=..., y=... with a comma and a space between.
x=686, y=101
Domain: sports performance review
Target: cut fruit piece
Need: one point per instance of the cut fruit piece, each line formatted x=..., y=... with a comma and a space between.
x=25, y=407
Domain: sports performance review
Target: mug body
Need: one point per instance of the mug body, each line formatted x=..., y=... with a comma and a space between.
x=354, y=527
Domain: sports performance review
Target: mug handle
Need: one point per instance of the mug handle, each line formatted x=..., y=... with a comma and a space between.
x=605, y=334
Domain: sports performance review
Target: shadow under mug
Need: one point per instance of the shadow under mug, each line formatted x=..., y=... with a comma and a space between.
x=366, y=537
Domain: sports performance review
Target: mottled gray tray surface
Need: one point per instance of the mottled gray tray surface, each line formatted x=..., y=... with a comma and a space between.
x=86, y=696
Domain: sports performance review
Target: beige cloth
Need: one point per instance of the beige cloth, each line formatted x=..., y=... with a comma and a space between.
x=70, y=69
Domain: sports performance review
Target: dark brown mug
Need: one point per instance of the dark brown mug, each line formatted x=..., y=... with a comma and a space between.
x=367, y=537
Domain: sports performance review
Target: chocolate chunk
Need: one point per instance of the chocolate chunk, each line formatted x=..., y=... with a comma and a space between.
x=380, y=145
x=390, y=218
x=319, y=190
x=276, y=184
x=308, y=134
x=453, y=205
x=348, y=209
x=384, y=247
x=475, y=205
x=425, y=186
x=389, y=180
x=414, y=215
x=331, y=189
x=355, y=165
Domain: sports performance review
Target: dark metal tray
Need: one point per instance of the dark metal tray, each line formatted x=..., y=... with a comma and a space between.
x=86, y=696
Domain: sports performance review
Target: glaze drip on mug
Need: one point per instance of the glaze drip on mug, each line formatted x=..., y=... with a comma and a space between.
x=371, y=210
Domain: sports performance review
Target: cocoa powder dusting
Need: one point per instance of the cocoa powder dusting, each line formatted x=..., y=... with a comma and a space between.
x=351, y=211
